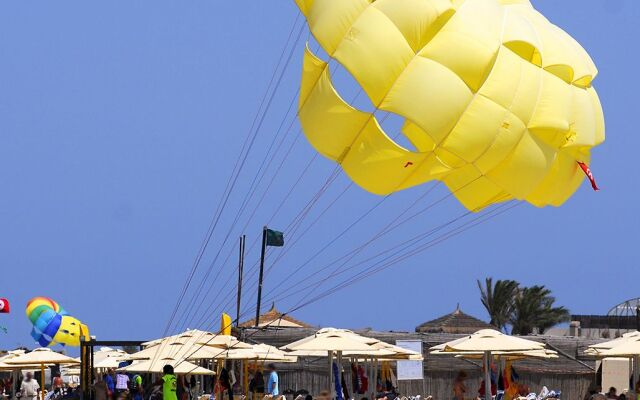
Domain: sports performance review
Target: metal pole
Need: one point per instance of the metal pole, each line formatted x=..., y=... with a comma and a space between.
x=240, y=268
x=264, y=248
x=83, y=370
x=91, y=372
x=487, y=375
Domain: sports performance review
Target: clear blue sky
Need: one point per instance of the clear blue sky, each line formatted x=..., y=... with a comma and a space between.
x=120, y=123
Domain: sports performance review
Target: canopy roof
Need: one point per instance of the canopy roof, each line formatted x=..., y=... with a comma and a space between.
x=488, y=340
x=596, y=349
x=41, y=356
x=349, y=343
x=456, y=322
x=199, y=336
x=183, y=367
x=328, y=340
x=275, y=319
x=191, y=350
x=627, y=348
x=107, y=352
x=267, y=353
x=108, y=362
x=506, y=355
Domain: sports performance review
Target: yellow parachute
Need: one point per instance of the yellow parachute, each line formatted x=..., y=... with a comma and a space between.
x=497, y=101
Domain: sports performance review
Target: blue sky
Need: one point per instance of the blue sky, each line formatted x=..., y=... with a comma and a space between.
x=120, y=123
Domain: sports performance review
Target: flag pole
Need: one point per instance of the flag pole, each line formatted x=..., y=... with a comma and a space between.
x=240, y=268
x=264, y=247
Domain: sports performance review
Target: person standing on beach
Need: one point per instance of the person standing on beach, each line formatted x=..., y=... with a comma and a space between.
x=29, y=387
x=459, y=388
x=272, y=384
x=111, y=386
x=100, y=389
x=169, y=384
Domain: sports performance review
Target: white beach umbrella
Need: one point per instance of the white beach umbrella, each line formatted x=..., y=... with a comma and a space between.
x=41, y=357
x=179, y=367
x=594, y=349
x=487, y=341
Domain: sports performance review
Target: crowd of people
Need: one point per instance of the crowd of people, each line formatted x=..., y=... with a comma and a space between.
x=501, y=390
x=115, y=385
x=596, y=393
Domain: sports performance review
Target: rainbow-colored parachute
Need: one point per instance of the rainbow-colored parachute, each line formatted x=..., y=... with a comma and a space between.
x=52, y=325
x=496, y=100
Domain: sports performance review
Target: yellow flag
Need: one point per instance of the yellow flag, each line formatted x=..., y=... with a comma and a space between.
x=225, y=324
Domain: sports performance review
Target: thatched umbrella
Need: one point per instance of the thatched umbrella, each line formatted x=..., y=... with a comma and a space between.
x=329, y=340
x=157, y=366
x=41, y=357
x=628, y=348
x=487, y=341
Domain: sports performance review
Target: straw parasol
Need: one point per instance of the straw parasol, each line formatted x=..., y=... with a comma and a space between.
x=180, y=367
x=487, y=342
x=72, y=371
x=192, y=351
x=505, y=355
x=107, y=352
x=628, y=348
x=194, y=344
x=595, y=349
x=329, y=340
x=41, y=357
x=109, y=362
x=269, y=353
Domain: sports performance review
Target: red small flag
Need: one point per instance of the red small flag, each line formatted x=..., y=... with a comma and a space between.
x=4, y=306
x=587, y=172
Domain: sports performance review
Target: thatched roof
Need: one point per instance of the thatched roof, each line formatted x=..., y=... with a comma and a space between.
x=275, y=319
x=457, y=322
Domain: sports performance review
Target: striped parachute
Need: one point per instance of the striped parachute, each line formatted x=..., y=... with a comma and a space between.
x=496, y=100
x=52, y=325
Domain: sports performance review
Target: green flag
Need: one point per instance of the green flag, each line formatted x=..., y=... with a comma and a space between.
x=275, y=238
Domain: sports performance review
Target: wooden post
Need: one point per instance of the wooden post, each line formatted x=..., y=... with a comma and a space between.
x=43, y=381
x=487, y=375
x=636, y=373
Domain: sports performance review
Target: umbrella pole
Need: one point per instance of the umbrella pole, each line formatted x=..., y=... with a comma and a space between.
x=339, y=364
x=636, y=373
x=374, y=386
x=42, y=388
x=487, y=375
x=331, y=389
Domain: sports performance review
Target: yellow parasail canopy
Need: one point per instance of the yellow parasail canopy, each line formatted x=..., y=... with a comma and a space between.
x=497, y=101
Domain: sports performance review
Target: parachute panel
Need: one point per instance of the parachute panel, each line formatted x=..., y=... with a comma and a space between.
x=476, y=43
x=372, y=39
x=417, y=20
x=377, y=163
x=431, y=96
x=525, y=168
x=329, y=20
x=563, y=178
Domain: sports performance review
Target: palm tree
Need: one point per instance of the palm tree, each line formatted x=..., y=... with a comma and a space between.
x=498, y=300
x=533, y=308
